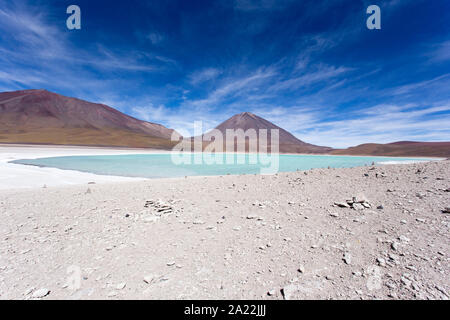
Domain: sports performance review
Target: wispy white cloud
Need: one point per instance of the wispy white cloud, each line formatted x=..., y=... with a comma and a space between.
x=420, y=85
x=231, y=87
x=440, y=52
x=203, y=75
x=40, y=53
x=380, y=124
x=307, y=79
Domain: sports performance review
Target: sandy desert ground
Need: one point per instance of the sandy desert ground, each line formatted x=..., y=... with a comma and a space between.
x=288, y=236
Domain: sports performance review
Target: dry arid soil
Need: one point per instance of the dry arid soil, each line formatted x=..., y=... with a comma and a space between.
x=233, y=237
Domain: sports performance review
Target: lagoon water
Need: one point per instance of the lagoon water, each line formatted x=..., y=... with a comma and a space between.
x=163, y=166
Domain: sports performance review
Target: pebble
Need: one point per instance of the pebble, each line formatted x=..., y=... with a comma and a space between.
x=381, y=262
x=347, y=258
x=149, y=279
x=121, y=286
x=271, y=293
x=334, y=215
x=403, y=239
x=342, y=204
x=395, y=246
x=41, y=293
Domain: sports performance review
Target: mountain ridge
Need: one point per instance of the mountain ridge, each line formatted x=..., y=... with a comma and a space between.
x=38, y=116
x=288, y=143
x=41, y=116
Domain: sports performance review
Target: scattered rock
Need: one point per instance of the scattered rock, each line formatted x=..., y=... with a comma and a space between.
x=334, y=215
x=41, y=293
x=395, y=245
x=121, y=286
x=403, y=239
x=347, y=258
x=271, y=293
x=381, y=262
x=289, y=292
x=342, y=204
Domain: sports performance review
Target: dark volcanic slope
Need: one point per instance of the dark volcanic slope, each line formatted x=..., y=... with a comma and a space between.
x=288, y=143
x=39, y=116
x=400, y=149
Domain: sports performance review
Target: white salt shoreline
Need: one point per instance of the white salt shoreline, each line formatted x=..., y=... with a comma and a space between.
x=16, y=176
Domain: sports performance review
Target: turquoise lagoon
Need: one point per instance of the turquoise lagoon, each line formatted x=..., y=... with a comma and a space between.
x=163, y=166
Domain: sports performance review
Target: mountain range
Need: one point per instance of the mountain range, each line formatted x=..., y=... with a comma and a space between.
x=43, y=117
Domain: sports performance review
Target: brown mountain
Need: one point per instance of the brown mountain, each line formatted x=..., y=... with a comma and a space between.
x=288, y=143
x=43, y=117
x=400, y=149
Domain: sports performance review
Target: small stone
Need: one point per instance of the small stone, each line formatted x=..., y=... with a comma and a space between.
x=403, y=239
x=393, y=295
x=290, y=292
x=149, y=279
x=381, y=262
x=405, y=281
x=271, y=293
x=334, y=215
x=395, y=246
x=30, y=290
x=342, y=204
x=380, y=207
x=393, y=257
x=41, y=293
x=301, y=269
x=412, y=268
x=112, y=294
x=121, y=286
x=347, y=258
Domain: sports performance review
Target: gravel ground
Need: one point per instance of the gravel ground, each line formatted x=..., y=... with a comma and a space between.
x=288, y=236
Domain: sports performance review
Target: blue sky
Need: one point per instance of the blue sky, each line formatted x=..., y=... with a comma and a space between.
x=311, y=67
